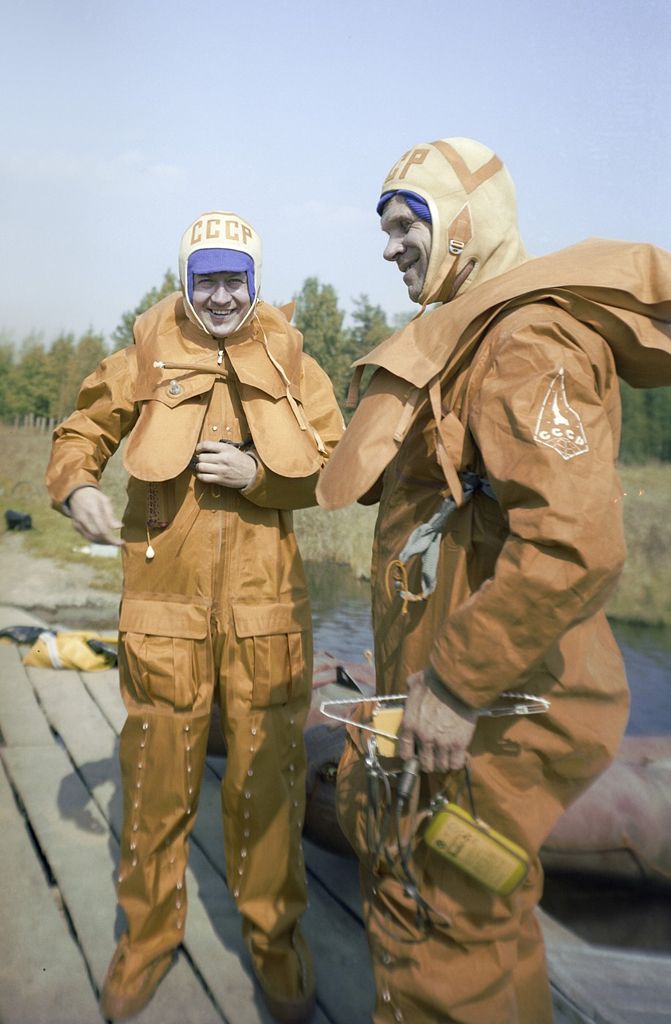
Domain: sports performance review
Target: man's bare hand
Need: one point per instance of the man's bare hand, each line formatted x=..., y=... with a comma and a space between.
x=224, y=465
x=93, y=515
x=436, y=725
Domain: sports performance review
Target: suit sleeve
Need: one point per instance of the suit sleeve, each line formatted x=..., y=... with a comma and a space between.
x=549, y=449
x=84, y=442
x=270, y=490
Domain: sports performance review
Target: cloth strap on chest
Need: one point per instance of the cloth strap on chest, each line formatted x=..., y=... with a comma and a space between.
x=425, y=541
x=301, y=418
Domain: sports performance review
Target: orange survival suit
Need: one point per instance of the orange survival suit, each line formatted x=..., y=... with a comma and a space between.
x=214, y=603
x=513, y=384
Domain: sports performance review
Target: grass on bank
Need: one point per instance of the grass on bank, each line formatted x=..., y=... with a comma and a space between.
x=643, y=594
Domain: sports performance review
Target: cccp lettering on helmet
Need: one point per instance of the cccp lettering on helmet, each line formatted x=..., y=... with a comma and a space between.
x=413, y=156
x=212, y=228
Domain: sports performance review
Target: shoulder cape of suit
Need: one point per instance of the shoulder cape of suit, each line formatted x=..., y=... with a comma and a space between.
x=622, y=290
x=174, y=400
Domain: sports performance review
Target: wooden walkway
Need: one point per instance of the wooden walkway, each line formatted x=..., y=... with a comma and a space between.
x=60, y=807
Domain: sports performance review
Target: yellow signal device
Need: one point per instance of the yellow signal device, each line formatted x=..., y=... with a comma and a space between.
x=471, y=845
x=387, y=720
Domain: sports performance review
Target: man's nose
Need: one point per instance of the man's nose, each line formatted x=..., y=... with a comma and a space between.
x=393, y=249
x=221, y=295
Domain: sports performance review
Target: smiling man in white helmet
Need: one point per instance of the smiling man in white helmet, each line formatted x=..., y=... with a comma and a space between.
x=227, y=425
x=488, y=435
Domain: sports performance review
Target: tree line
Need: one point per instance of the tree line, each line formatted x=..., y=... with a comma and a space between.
x=41, y=380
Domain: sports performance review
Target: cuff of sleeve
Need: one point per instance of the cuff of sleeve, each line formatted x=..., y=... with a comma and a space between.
x=438, y=683
x=65, y=505
x=472, y=698
x=259, y=479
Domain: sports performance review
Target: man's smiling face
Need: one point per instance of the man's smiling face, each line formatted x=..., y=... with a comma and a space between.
x=409, y=244
x=221, y=301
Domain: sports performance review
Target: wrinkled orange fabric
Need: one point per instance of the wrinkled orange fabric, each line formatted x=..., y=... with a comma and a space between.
x=221, y=610
x=522, y=581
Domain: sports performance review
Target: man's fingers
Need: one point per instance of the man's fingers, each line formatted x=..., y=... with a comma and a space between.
x=98, y=528
x=108, y=538
x=98, y=535
x=210, y=446
x=425, y=753
x=406, y=745
x=457, y=758
x=442, y=758
x=416, y=679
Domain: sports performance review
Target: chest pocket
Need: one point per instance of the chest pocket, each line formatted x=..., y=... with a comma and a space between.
x=270, y=661
x=172, y=411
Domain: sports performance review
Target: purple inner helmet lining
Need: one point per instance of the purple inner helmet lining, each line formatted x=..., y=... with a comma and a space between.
x=214, y=261
x=419, y=206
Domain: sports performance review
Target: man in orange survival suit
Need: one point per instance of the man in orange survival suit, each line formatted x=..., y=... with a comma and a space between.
x=214, y=599
x=501, y=407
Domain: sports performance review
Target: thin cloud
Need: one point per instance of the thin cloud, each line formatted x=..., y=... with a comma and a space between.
x=316, y=212
x=120, y=170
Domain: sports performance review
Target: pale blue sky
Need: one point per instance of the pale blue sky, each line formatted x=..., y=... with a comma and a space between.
x=122, y=121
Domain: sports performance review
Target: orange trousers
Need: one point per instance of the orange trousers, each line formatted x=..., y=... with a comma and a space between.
x=162, y=753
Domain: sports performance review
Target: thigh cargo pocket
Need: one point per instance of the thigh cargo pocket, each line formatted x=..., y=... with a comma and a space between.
x=272, y=655
x=164, y=652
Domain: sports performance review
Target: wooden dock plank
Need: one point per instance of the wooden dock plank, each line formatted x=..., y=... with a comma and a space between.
x=83, y=861
x=21, y=720
x=338, y=873
x=88, y=737
x=74, y=844
x=344, y=973
x=104, y=690
x=613, y=987
x=72, y=714
x=43, y=976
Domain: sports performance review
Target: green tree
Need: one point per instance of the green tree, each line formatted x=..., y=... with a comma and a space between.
x=646, y=424
x=89, y=350
x=58, y=369
x=122, y=335
x=370, y=327
x=29, y=384
x=399, y=320
x=320, y=320
x=664, y=415
x=6, y=367
x=659, y=412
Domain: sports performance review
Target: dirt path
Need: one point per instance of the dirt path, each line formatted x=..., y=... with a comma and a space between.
x=59, y=596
